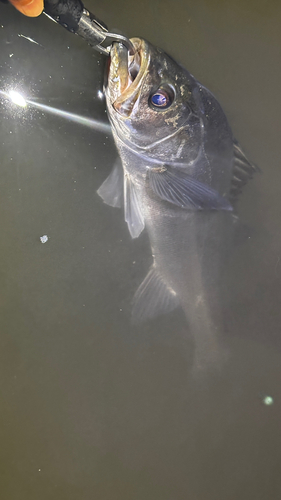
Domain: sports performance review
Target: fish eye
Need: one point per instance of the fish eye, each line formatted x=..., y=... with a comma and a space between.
x=161, y=98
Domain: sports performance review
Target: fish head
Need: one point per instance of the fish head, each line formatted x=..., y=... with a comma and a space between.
x=153, y=103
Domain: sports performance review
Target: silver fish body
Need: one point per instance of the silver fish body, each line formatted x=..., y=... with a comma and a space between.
x=178, y=163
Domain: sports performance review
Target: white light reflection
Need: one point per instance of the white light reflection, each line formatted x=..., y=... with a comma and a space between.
x=17, y=98
x=82, y=120
x=52, y=19
x=29, y=39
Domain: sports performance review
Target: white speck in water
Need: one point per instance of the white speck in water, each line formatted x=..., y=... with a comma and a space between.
x=268, y=401
x=11, y=55
x=39, y=470
x=100, y=94
x=44, y=238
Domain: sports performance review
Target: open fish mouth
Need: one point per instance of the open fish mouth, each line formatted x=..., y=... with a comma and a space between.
x=126, y=75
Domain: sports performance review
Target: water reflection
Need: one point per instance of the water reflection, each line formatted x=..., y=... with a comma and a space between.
x=16, y=98
x=19, y=100
x=91, y=406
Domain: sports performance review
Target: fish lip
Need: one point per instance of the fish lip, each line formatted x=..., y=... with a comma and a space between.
x=124, y=101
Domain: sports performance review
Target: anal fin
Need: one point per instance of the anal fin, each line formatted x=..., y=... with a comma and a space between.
x=153, y=298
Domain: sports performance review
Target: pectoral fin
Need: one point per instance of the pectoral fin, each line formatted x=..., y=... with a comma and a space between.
x=152, y=298
x=133, y=212
x=111, y=190
x=184, y=191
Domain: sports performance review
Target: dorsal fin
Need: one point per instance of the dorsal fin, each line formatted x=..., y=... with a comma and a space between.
x=243, y=170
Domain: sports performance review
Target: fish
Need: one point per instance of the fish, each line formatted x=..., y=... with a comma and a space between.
x=180, y=174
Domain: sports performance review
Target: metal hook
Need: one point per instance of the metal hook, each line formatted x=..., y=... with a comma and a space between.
x=96, y=34
x=72, y=15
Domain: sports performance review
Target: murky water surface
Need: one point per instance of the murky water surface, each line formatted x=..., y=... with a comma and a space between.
x=90, y=406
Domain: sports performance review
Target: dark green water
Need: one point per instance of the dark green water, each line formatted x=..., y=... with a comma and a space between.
x=91, y=407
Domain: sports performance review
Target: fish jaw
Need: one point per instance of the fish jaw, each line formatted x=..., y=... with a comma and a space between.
x=123, y=86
